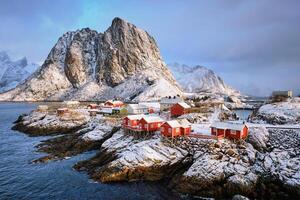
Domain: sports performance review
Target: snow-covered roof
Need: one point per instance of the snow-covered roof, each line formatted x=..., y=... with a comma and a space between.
x=71, y=102
x=150, y=104
x=184, y=105
x=172, y=100
x=173, y=123
x=134, y=117
x=229, y=126
x=184, y=123
x=150, y=119
x=114, y=102
x=137, y=106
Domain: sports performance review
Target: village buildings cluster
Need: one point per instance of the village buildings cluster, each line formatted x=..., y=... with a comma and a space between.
x=149, y=117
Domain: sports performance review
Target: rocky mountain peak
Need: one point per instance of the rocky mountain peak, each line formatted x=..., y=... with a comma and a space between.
x=123, y=62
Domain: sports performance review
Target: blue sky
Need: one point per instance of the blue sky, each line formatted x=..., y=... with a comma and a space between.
x=253, y=45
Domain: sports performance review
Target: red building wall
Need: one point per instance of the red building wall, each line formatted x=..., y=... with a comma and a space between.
x=153, y=126
x=177, y=110
x=174, y=131
x=232, y=134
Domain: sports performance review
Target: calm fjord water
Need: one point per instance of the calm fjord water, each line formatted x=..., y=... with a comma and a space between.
x=19, y=179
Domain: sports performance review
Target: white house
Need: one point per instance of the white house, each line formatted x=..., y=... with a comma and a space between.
x=137, y=109
x=154, y=106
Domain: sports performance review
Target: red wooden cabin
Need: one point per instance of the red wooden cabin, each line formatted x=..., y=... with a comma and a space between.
x=229, y=130
x=180, y=108
x=62, y=111
x=150, y=123
x=176, y=128
x=131, y=121
x=92, y=106
x=113, y=104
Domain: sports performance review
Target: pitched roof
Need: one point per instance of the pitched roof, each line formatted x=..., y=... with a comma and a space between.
x=134, y=117
x=184, y=123
x=173, y=123
x=227, y=125
x=150, y=119
x=184, y=105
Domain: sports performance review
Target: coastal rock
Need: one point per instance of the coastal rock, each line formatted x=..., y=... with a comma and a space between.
x=258, y=137
x=135, y=159
x=90, y=137
x=287, y=112
x=40, y=123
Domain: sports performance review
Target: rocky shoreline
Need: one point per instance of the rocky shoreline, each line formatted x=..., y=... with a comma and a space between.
x=267, y=165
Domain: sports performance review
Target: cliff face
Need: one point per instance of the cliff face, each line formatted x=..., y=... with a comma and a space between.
x=123, y=62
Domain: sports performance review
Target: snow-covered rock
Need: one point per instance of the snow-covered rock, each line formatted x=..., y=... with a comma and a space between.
x=40, y=123
x=258, y=137
x=12, y=73
x=137, y=159
x=287, y=112
x=199, y=79
x=123, y=62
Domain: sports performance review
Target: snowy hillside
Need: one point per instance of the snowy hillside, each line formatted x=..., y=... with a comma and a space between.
x=199, y=79
x=12, y=73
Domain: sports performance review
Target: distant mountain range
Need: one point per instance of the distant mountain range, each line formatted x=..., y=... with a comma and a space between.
x=12, y=73
x=199, y=79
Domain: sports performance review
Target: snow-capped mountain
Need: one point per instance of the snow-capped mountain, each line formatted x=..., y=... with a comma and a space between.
x=199, y=79
x=122, y=62
x=12, y=73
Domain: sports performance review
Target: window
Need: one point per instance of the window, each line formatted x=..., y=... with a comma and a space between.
x=151, y=125
x=162, y=129
x=177, y=130
x=233, y=132
x=146, y=125
x=170, y=130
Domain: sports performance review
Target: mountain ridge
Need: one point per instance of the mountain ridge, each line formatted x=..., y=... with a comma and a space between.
x=199, y=79
x=122, y=62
